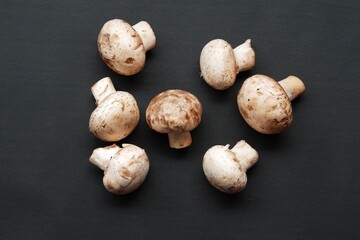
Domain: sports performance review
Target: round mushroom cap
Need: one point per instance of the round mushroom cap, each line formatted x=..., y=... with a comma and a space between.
x=127, y=170
x=115, y=117
x=223, y=170
x=218, y=65
x=264, y=105
x=121, y=47
x=174, y=111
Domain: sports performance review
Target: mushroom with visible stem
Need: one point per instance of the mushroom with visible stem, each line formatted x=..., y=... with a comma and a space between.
x=116, y=115
x=266, y=104
x=220, y=63
x=175, y=112
x=125, y=169
x=123, y=47
x=226, y=168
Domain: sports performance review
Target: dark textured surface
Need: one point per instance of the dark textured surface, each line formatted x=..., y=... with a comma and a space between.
x=305, y=185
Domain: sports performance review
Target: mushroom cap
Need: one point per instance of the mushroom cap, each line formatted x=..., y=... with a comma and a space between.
x=223, y=170
x=121, y=47
x=127, y=170
x=218, y=65
x=174, y=111
x=115, y=117
x=264, y=105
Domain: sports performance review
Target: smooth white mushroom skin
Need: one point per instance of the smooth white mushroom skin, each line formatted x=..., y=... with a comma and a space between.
x=265, y=105
x=116, y=115
x=125, y=169
x=225, y=168
x=175, y=112
x=220, y=63
x=123, y=48
x=217, y=64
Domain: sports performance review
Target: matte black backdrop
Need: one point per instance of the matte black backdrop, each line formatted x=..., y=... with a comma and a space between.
x=305, y=185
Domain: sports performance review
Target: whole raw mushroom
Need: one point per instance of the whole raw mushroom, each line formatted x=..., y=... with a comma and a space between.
x=125, y=169
x=123, y=47
x=266, y=104
x=116, y=115
x=175, y=112
x=226, y=168
x=220, y=63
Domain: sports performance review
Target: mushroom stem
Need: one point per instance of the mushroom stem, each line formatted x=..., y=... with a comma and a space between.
x=244, y=56
x=179, y=139
x=103, y=88
x=146, y=34
x=293, y=86
x=101, y=156
x=245, y=154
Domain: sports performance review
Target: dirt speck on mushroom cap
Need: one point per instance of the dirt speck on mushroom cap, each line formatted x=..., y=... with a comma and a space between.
x=264, y=105
x=174, y=111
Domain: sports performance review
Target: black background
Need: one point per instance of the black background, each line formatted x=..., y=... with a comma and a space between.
x=305, y=185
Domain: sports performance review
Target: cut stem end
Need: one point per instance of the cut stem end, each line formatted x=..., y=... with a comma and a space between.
x=245, y=154
x=293, y=87
x=146, y=34
x=102, y=88
x=101, y=156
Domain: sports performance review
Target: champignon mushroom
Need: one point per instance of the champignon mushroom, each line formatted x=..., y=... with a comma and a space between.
x=175, y=112
x=226, y=168
x=125, y=169
x=117, y=113
x=266, y=104
x=123, y=47
x=220, y=63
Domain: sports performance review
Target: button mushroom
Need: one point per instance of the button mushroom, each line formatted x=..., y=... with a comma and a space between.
x=226, y=168
x=125, y=169
x=266, y=104
x=117, y=113
x=123, y=47
x=175, y=112
x=220, y=63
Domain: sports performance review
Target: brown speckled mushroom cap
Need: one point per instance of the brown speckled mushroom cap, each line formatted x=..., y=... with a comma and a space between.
x=174, y=112
x=115, y=117
x=121, y=47
x=264, y=105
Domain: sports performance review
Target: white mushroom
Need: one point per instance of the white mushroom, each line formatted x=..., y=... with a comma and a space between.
x=226, y=168
x=266, y=104
x=175, y=112
x=117, y=113
x=125, y=169
x=220, y=63
x=123, y=47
